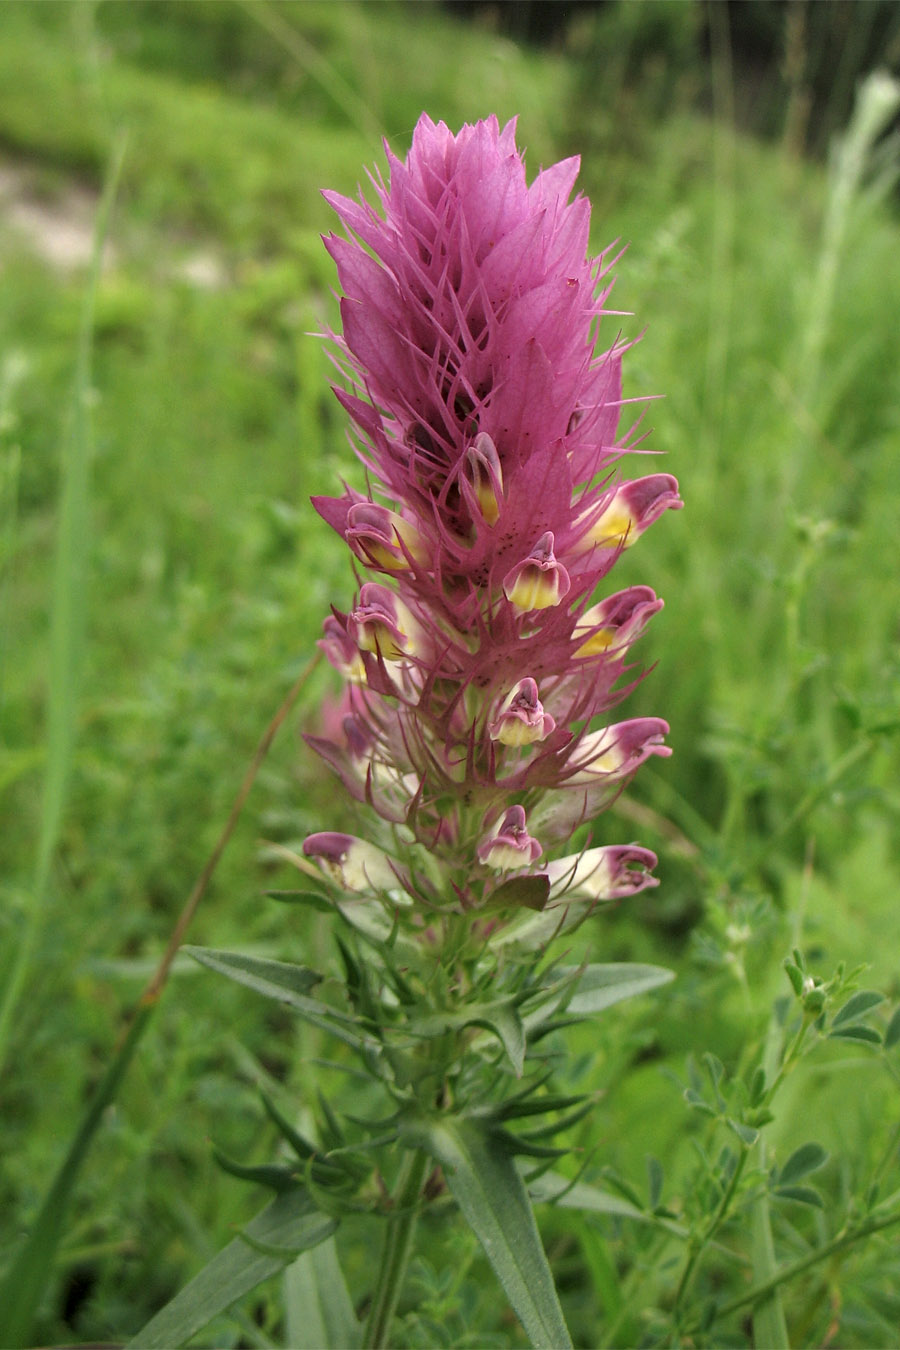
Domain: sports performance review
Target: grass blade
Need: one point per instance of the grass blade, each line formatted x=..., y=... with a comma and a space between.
x=318, y=1309
x=24, y=1281
x=290, y=1224
x=67, y=616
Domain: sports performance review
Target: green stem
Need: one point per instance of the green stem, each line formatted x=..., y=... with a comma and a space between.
x=846, y=1238
x=698, y=1247
x=769, y=1326
x=397, y=1248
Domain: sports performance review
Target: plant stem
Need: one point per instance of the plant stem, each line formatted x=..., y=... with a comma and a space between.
x=769, y=1326
x=845, y=1238
x=397, y=1248
x=699, y=1245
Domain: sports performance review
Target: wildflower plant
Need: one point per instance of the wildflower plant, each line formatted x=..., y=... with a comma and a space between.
x=482, y=659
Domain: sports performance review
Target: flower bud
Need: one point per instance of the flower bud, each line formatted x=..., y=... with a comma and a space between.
x=382, y=538
x=616, y=751
x=509, y=845
x=521, y=719
x=602, y=873
x=382, y=624
x=538, y=581
x=631, y=508
x=481, y=466
x=616, y=622
x=340, y=649
x=351, y=863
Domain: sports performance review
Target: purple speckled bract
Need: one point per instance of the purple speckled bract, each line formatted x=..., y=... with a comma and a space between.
x=483, y=658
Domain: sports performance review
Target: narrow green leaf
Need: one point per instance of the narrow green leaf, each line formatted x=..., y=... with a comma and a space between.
x=697, y=1102
x=745, y=1133
x=499, y=1018
x=288, y=1226
x=506, y=1024
x=807, y=1158
x=267, y=1174
x=892, y=1035
x=857, y=1007
x=289, y=980
x=605, y=1279
x=318, y=1309
x=488, y=1189
x=67, y=620
x=601, y=986
x=757, y=1085
x=302, y=1147
x=554, y=1189
x=287, y=984
x=548, y=1130
x=655, y=1176
x=857, y=1033
x=551, y=1188
x=795, y=975
x=804, y=1195
x=523, y=1146
x=518, y=1107
x=330, y=1130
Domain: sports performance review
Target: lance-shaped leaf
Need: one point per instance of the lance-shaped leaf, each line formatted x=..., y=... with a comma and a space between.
x=602, y=986
x=551, y=1188
x=286, y=1227
x=597, y=987
x=288, y=984
x=486, y=1185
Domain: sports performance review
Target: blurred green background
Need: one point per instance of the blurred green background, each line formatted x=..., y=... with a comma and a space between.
x=762, y=275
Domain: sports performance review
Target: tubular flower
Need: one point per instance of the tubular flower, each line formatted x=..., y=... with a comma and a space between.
x=601, y=873
x=352, y=863
x=521, y=719
x=628, y=512
x=488, y=421
x=539, y=581
x=383, y=539
x=509, y=845
x=340, y=649
x=381, y=623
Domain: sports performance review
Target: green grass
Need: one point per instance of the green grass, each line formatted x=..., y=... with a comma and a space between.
x=207, y=575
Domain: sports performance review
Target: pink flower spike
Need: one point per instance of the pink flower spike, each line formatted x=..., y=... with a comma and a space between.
x=632, y=508
x=382, y=624
x=521, y=719
x=602, y=873
x=382, y=538
x=510, y=845
x=352, y=863
x=538, y=581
